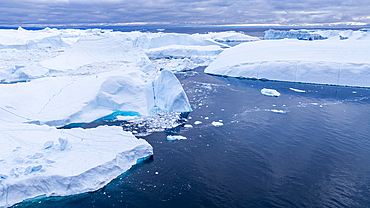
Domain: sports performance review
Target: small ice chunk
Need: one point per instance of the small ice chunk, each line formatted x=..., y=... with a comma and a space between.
x=48, y=144
x=270, y=92
x=173, y=138
x=188, y=126
x=63, y=143
x=354, y=92
x=197, y=122
x=206, y=118
x=216, y=123
x=297, y=90
x=278, y=111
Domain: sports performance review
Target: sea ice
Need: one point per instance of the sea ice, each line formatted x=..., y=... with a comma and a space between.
x=297, y=90
x=173, y=138
x=197, y=122
x=270, y=92
x=278, y=111
x=216, y=123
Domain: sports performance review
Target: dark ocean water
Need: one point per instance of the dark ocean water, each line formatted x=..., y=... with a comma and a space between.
x=315, y=154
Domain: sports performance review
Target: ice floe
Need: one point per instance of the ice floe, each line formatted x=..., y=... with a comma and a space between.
x=173, y=138
x=297, y=90
x=270, y=92
x=216, y=123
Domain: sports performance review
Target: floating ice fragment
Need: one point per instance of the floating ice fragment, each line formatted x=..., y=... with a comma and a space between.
x=48, y=144
x=197, y=122
x=63, y=143
x=188, y=126
x=216, y=123
x=270, y=92
x=206, y=118
x=173, y=138
x=297, y=90
x=278, y=111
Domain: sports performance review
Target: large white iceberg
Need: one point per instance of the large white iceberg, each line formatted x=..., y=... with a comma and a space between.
x=331, y=61
x=42, y=160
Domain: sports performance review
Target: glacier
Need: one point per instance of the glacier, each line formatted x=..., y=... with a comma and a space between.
x=332, y=61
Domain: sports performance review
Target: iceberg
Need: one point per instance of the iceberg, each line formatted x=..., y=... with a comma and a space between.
x=88, y=161
x=270, y=92
x=228, y=36
x=331, y=61
x=216, y=123
x=292, y=34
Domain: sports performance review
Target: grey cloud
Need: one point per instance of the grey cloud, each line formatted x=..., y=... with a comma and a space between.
x=185, y=12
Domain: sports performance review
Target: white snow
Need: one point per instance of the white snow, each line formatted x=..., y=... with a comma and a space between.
x=216, y=123
x=173, y=138
x=270, y=92
x=331, y=61
x=88, y=161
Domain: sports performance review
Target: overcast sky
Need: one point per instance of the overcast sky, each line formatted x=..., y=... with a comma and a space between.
x=182, y=12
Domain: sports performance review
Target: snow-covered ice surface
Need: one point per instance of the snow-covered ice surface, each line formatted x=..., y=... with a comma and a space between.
x=53, y=78
x=331, y=61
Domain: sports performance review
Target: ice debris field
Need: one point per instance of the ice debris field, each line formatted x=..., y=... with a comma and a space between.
x=54, y=78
